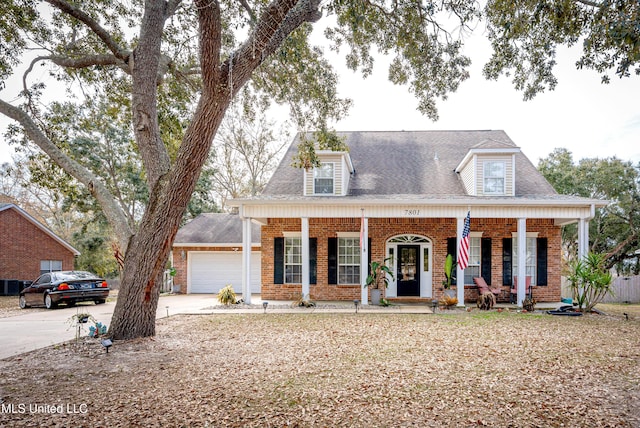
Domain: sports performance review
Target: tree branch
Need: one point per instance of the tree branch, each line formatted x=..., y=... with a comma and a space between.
x=619, y=251
x=99, y=31
x=172, y=6
x=80, y=62
x=97, y=189
x=589, y=3
x=210, y=28
x=250, y=11
x=278, y=20
x=146, y=62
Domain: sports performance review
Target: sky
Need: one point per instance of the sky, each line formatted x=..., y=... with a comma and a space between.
x=582, y=115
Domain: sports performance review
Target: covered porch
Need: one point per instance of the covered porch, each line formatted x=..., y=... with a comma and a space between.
x=383, y=231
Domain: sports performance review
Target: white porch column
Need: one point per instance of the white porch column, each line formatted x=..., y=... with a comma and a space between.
x=522, y=260
x=459, y=271
x=246, y=260
x=583, y=238
x=305, y=257
x=364, y=262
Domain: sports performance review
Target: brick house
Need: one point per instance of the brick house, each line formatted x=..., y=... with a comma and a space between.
x=28, y=248
x=405, y=196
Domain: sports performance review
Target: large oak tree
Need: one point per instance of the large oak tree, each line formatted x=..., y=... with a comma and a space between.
x=615, y=229
x=163, y=50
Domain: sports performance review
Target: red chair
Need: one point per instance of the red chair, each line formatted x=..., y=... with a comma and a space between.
x=484, y=288
x=527, y=289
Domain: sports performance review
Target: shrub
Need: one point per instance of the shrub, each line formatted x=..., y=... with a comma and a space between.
x=227, y=296
x=448, y=300
x=529, y=304
x=589, y=280
x=303, y=301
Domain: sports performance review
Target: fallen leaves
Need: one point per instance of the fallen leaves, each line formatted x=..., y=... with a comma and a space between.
x=344, y=370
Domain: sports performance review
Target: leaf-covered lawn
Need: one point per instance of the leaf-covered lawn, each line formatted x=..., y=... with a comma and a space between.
x=9, y=306
x=325, y=370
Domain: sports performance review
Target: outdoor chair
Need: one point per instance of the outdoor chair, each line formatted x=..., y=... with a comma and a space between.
x=483, y=287
x=514, y=289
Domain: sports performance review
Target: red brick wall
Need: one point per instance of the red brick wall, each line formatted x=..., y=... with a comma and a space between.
x=380, y=230
x=23, y=246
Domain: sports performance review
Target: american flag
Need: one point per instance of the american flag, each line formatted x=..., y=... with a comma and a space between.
x=463, y=254
x=362, y=230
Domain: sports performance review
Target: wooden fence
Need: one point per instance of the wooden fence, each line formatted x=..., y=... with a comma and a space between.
x=626, y=289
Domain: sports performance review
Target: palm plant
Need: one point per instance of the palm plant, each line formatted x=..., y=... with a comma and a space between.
x=589, y=280
x=380, y=274
x=449, y=269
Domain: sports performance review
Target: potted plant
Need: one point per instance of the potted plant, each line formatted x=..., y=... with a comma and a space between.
x=449, y=270
x=379, y=277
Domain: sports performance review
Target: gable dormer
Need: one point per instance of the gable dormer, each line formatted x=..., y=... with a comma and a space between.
x=489, y=169
x=331, y=178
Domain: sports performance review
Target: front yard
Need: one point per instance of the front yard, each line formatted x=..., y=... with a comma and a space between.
x=457, y=369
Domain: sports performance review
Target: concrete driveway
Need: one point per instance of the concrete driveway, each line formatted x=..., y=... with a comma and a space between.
x=36, y=329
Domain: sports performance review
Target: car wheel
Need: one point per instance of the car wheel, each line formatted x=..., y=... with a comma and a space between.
x=23, y=302
x=48, y=303
x=100, y=301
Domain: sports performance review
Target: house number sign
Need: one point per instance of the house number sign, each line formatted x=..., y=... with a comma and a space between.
x=410, y=213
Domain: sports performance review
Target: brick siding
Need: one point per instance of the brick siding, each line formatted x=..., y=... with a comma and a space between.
x=23, y=246
x=380, y=230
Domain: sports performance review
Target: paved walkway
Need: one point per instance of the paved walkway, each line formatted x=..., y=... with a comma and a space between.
x=40, y=328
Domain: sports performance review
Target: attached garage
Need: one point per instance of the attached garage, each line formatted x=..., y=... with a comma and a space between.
x=209, y=272
x=207, y=255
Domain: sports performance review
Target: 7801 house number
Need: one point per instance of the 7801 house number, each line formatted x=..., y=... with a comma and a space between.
x=411, y=212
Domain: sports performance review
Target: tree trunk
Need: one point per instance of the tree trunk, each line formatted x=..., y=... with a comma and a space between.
x=149, y=248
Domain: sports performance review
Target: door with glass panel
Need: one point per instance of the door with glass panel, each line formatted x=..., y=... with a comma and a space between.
x=408, y=273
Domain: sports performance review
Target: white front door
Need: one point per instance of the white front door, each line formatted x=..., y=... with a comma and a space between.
x=420, y=260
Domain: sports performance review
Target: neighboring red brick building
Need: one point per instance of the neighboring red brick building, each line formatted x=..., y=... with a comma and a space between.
x=27, y=248
x=404, y=197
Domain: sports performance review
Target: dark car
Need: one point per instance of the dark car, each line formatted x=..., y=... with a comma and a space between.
x=67, y=287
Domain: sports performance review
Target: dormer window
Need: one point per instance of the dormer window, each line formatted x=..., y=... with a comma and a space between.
x=331, y=176
x=323, y=179
x=489, y=169
x=494, y=178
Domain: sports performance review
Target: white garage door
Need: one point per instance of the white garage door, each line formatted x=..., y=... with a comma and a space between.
x=212, y=271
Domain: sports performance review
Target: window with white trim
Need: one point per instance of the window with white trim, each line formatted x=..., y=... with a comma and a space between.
x=348, y=260
x=531, y=258
x=494, y=177
x=473, y=269
x=47, y=266
x=323, y=179
x=293, y=260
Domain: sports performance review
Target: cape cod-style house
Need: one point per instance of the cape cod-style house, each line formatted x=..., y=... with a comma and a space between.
x=403, y=197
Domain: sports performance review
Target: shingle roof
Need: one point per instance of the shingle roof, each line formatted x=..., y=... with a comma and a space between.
x=411, y=163
x=215, y=228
